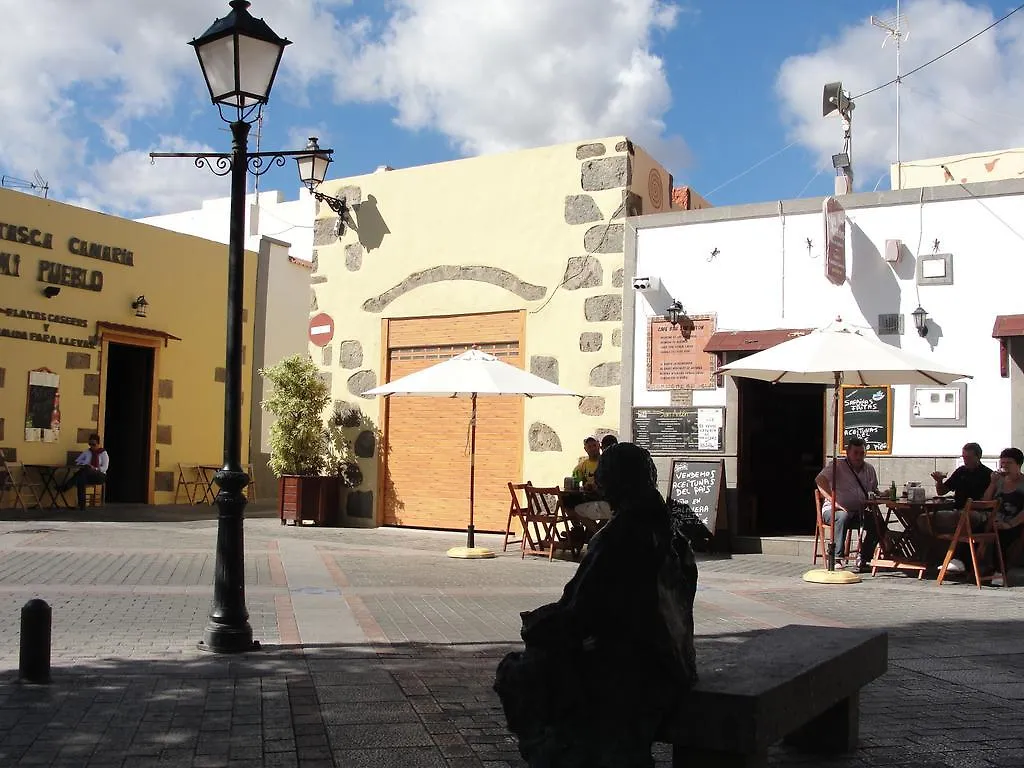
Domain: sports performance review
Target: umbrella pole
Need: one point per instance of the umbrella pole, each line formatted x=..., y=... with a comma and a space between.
x=472, y=472
x=836, y=403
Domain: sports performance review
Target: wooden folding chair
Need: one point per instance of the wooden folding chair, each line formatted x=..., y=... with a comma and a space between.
x=964, y=534
x=821, y=533
x=95, y=494
x=516, y=511
x=190, y=480
x=14, y=479
x=545, y=528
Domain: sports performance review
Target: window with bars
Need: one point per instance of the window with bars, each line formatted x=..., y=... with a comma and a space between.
x=890, y=324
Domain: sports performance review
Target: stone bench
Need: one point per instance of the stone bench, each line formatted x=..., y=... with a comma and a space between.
x=800, y=684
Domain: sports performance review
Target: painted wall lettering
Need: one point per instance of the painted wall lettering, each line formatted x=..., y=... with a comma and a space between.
x=44, y=317
x=26, y=236
x=10, y=265
x=56, y=273
x=46, y=338
x=102, y=252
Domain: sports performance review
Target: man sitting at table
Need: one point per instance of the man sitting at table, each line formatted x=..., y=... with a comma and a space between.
x=587, y=466
x=92, y=465
x=855, y=481
x=967, y=482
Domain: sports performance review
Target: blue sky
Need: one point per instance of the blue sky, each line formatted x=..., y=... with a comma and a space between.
x=710, y=88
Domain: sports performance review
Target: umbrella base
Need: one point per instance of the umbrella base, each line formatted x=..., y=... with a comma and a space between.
x=825, y=576
x=470, y=553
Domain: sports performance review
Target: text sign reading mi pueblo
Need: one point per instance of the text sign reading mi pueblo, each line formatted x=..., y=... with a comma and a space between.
x=699, y=485
x=675, y=354
x=835, y=241
x=866, y=412
x=321, y=329
x=683, y=429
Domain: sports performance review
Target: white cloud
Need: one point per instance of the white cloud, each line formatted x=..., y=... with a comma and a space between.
x=966, y=102
x=85, y=68
x=89, y=85
x=524, y=74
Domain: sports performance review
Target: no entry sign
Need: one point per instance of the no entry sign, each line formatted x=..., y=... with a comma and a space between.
x=321, y=329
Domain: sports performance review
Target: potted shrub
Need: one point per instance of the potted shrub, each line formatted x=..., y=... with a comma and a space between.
x=308, y=457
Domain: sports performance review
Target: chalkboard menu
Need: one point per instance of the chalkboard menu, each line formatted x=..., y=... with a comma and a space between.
x=698, y=484
x=866, y=412
x=672, y=431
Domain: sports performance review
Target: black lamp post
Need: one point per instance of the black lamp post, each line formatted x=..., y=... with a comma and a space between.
x=239, y=56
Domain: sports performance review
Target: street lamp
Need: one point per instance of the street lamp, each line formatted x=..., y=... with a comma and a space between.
x=239, y=56
x=313, y=171
x=920, y=316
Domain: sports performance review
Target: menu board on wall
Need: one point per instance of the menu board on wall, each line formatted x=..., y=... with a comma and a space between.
x=672, y=431
x=698, y=484
x=675, y=354
x=866, y=412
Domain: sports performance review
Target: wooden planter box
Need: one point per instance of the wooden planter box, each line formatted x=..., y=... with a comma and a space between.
x=313, y=499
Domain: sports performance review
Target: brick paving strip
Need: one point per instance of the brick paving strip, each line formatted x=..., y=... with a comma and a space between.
x=379, y=651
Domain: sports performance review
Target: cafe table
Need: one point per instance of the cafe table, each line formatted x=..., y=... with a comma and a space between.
x=50, y=477
x=590, y=523
x=905, y=549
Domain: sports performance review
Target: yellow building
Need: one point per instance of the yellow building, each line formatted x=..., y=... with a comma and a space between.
x=76, y=357
x=520, y=254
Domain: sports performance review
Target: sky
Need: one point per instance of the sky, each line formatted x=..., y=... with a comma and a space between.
x=725, y=93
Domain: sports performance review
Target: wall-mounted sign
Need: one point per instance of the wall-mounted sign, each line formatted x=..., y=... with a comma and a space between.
x=321, y=329
x=42, y=411
x=835, y=241
x=72, y=277
x=102, y=252
x=866, y=412
x=679, y=430
x=26, y=236
x=45, y=337
x=675, y=354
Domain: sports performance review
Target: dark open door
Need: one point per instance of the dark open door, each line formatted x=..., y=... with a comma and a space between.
x=128, y=421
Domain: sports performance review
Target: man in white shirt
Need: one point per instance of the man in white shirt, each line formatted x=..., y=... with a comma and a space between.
x=92, y=464
x=855, y=481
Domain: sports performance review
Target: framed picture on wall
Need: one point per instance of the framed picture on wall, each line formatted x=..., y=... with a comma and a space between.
x=934, y=405
x=42, y=407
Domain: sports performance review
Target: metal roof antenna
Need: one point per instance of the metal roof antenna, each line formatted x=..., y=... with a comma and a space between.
x=38, y=184
x=895, y=29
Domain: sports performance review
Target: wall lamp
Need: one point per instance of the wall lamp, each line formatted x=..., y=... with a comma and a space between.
x=920, y=321
x=675, y=312
x=312, y=172
x=51, y=290
x=140, y=305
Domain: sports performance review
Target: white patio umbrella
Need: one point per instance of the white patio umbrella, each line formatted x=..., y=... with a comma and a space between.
x=472, y=373
x=835, y=355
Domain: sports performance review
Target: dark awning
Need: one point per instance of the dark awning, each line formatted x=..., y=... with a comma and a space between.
x=1008, y=325
x=751, y=341
x=102, y=325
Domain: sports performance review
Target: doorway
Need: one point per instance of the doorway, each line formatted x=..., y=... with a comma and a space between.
x=127, y=421
x=781, y=451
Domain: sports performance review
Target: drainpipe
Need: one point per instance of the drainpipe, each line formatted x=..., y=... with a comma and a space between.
x=782, y=249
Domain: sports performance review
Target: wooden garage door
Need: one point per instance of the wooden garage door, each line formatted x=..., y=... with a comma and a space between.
x=426, y=479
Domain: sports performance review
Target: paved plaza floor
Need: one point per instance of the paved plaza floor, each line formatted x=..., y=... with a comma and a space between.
x=377, y=650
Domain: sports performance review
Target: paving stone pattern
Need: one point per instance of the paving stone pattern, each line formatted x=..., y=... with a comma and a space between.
x=377, y=650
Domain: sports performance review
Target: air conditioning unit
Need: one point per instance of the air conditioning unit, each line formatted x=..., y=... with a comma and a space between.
x=893, y=251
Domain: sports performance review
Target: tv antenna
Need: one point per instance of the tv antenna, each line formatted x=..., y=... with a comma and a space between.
x=38, y=184
x=895, y=29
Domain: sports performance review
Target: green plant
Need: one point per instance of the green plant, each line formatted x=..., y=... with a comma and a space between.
x=298, y=441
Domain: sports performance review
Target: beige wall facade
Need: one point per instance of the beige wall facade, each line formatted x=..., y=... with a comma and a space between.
x=538, y=232
x=958, y=169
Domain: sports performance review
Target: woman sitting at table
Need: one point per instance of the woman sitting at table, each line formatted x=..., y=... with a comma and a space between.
x=92, y=465
x=1007, y=488
x=607, y=663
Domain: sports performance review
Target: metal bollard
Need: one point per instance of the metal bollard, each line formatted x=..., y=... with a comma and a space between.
x=34, y=661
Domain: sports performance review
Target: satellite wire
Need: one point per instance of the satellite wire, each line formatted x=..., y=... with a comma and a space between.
x=941, y=55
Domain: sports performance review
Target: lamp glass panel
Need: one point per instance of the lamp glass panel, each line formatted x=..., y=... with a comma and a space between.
x=257, y=64
x=320, y=163
x=218, y=60
x=312, y=168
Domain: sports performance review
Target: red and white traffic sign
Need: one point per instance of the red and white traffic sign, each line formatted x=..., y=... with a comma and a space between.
x=321, y=329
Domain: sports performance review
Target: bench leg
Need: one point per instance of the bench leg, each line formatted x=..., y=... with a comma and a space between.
x=834, y=731
x=688, y=757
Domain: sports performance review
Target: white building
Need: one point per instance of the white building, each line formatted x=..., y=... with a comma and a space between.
x=282, y=233
x=757, y=272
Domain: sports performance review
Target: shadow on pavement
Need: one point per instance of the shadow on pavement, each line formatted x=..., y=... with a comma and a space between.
x=952, y=697
x=134, y=513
